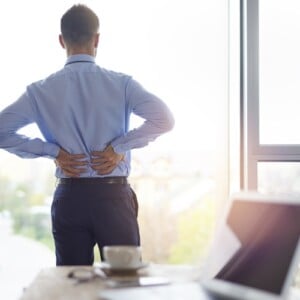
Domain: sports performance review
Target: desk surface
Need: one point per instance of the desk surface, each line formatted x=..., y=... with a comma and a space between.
x=54, y=284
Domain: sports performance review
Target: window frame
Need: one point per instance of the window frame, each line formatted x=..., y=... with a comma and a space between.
x=252, y=152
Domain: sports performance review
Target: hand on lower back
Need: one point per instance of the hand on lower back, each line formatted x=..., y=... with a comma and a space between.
x=104, y=162
x=72, y=165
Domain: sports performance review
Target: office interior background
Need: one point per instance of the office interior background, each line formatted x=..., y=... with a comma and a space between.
x=228, y=69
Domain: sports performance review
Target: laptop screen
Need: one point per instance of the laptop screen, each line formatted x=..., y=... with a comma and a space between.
x=268, y=234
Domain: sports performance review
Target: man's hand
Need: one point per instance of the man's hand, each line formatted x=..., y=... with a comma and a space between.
x=104, y=162
x=72, y=165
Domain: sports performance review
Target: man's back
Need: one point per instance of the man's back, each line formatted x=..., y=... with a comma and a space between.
x=84, y=108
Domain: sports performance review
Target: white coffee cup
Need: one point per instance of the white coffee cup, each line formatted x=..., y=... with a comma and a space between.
x=122, y=256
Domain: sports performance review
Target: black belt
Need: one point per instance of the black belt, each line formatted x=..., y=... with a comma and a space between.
x=93, y=180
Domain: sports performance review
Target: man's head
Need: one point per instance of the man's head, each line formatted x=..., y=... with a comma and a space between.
x=79, y=30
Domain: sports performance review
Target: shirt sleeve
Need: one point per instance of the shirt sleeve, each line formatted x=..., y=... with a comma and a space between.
x=13, y=118
x=158, y=118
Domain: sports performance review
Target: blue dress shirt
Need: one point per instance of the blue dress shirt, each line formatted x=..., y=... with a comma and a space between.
x=84, y=108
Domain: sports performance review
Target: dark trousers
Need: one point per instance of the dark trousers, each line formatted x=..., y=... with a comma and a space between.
x=87, y=214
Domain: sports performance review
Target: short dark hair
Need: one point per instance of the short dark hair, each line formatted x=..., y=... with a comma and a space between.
x=78, y=25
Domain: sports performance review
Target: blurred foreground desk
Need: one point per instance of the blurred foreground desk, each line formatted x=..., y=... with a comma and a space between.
x=54, y=284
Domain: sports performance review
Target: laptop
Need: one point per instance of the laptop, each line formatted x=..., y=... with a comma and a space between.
x=254, y=256
x=256, y=252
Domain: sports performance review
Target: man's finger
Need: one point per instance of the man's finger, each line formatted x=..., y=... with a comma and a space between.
x=99, y=160
x=105, y=171
x=77, y=163
x=102, y=156
x=73, y=172
x=98, y=153
x=77, y=156
x=103, y=166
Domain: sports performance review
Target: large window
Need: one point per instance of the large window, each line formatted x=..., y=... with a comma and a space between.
x=279, y=61
x=176, y=49
x=271, y=92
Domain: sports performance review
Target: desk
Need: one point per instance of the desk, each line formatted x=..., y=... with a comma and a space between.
x=54, y=284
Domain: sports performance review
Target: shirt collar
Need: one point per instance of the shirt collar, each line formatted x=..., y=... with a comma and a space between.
x=80, y=58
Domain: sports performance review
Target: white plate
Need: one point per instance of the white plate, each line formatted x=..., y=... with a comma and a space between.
x=105, y=266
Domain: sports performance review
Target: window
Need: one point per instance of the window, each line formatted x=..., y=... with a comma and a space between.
x=279, y=177
x=271, y=94
x=279, y=61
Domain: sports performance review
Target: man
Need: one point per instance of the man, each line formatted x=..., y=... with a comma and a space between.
x=83, y=113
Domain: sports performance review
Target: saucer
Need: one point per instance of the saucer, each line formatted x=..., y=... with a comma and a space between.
x=108, y=269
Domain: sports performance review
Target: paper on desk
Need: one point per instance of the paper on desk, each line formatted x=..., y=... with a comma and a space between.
x=141, y=281
x=125, y=294
x=173, y=291
x=225, y=245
